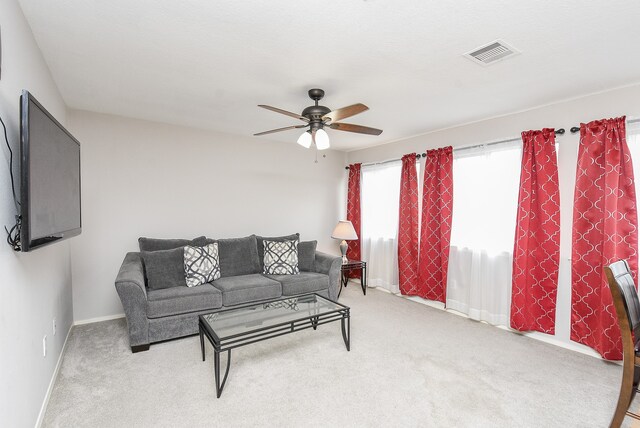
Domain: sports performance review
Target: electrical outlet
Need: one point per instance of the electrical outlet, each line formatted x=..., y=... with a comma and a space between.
x=54, y=326
x=44, y=346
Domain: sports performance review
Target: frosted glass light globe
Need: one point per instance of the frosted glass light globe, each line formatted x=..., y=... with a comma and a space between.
x=322, y=139
x=305, y=140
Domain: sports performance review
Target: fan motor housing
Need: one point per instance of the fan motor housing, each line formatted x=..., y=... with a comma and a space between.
x=315, y=113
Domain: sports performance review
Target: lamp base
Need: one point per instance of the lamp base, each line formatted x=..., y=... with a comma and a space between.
x=343, y=250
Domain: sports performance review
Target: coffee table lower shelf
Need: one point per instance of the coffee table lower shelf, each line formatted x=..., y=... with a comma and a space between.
x=305, y=311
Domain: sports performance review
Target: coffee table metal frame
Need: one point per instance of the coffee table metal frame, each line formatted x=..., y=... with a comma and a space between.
x=227, y=343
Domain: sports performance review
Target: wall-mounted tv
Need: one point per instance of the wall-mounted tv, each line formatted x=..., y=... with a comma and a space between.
x=50, y=177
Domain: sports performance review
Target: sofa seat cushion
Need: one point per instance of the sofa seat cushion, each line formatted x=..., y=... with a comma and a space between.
x=237, y=290
x=304, y=282
x=181, y=300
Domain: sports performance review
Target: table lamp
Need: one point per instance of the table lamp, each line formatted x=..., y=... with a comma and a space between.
x=344, y=230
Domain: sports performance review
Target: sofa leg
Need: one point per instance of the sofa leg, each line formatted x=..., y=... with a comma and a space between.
x=139, y=348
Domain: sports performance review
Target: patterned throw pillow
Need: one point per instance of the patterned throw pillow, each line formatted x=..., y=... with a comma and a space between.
x=201, y=264
x=281, y=257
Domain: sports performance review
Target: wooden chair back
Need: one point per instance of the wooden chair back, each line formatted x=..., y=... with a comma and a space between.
x=627, y=305
x=623, y=290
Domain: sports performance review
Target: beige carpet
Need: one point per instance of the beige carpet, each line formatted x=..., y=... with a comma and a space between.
x=409, y=365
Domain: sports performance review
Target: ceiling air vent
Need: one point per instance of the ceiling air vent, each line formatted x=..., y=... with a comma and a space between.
x=491, y=53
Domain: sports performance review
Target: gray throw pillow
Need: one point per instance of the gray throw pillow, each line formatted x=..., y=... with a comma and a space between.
x=154, y=244
x=281, y=257
x=307, y=255
x=260, y=241
x=164, y=268
x=238, y=256
x=201, y=264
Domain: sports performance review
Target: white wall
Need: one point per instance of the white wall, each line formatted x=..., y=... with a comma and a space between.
x=34, y=287
x=148, y=179
x=623, y=101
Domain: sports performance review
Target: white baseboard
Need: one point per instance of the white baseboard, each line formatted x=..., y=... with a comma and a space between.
x=54, y=377
x=98, y=319
x=572, y=346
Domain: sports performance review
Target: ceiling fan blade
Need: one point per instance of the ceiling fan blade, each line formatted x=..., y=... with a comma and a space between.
x=280, y=129
x=288, y=113
x=345, y=112
x=349, y=127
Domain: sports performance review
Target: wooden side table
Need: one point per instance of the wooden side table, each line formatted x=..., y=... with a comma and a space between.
x=350, y=266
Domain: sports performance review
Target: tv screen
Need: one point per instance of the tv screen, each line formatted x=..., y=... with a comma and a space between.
x=50, y=177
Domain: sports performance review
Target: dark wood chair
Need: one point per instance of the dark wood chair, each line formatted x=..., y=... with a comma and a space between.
x=625, y=300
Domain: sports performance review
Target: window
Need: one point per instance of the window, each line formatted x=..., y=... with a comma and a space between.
x=633, y=141
x=485, y=201
x=380, y=199
x=380, y=202
x=485, y=198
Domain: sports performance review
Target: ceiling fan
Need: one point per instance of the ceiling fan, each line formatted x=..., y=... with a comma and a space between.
x=316, y=117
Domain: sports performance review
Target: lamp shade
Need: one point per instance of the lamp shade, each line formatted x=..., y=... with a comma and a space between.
x=344, y=230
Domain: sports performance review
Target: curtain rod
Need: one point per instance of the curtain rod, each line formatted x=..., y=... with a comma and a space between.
x=418, y=156
x=424, y=155
x=557, y=132
x=575, y=129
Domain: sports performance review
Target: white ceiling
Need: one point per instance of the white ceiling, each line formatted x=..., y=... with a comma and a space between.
x=208, y=64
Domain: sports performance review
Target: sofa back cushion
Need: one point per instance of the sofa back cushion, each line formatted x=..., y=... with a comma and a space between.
x=164, y=268
x=238, y=256
x=154, y=244
x=307, y=255
x=261, y=239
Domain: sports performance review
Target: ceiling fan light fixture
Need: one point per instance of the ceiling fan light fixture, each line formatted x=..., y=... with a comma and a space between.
x=317, y=117
x=305, y=139
x=322, y=139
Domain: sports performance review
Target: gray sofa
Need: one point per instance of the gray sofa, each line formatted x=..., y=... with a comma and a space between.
x=159, y=306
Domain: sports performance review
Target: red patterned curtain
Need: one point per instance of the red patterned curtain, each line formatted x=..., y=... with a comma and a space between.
x=408, y=227
x=604, y=230
x=353, y=210
x=435, y=233
x=536, y=253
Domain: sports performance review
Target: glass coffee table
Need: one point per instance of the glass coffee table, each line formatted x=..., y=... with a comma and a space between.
x=244, y=325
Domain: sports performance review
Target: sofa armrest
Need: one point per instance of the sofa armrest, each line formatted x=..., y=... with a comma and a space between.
x=131, y=288
x=330, y=265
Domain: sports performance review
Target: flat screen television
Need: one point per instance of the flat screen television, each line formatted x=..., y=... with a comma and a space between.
x=50, y=177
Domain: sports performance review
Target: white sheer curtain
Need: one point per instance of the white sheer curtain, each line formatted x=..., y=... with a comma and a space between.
x=633, y=141
x=380, y=200
x=485, y=200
